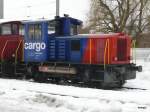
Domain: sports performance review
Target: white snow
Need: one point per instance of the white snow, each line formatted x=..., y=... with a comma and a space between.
x=25, y=96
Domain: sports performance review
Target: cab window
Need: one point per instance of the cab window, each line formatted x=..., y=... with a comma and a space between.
x=14, y=29
x=6, y=29
x=51, y=27
x=74, y=29
x=21, y=30
x=9, y=29
x=35, y=32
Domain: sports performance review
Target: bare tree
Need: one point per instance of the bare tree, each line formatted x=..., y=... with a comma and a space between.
x=130, y=16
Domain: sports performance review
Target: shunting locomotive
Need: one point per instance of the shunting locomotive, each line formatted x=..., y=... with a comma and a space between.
x=53, y=50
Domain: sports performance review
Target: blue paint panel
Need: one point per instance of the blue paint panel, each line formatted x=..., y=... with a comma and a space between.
x=61, y=49
x=77, y=56
x=66, y=26
x=34, y=56
x=84, y=42
x=36, y=50
x=68, y=50
x=52, y=49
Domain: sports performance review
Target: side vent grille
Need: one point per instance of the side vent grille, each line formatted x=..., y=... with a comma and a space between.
x=52, y=49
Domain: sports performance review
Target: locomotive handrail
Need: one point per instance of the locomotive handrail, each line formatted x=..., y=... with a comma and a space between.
x=90, y=51
x=3, y=50
x=23, y=50
x=105, y=51
x=108, y=51
x=5, y=47
x=16, y=53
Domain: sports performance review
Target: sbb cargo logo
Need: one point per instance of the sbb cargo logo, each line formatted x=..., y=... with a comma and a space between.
x=35, y=46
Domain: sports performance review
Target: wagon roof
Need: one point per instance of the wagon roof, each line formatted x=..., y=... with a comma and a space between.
x=2, y=21
x=5, y=21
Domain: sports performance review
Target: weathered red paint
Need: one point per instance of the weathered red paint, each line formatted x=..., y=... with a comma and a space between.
x=9, y=45
x=104, y=49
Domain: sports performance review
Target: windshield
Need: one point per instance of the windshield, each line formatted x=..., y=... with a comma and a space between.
x=11, y=29
x=6, y=29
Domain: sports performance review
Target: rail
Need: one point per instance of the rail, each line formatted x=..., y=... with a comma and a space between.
x=105, y=52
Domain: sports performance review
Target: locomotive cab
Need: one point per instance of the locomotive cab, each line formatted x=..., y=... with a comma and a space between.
x=11, y=41
x=39, y=33
x=66, y=26
x=11, y=46
x=10, y=28
x=35, y=41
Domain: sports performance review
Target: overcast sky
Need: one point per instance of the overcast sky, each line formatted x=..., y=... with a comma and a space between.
x=45, y=8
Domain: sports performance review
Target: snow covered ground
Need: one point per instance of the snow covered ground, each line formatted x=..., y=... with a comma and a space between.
x=25, y=96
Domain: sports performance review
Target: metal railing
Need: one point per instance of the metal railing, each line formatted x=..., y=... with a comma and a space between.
x=90, y=51
x=16, y=52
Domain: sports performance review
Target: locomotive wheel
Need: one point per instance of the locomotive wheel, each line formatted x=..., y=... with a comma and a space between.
x=8, y=70
x=122, y=81
x=39, y=77
x=36, y=75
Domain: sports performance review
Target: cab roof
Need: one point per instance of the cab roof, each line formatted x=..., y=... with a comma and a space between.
x=73, y=20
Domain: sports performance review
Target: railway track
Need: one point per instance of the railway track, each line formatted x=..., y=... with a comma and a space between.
x=56, y=94
x=130, y=88
x=84, y=97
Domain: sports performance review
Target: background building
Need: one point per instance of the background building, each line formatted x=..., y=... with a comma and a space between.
x=1, y=9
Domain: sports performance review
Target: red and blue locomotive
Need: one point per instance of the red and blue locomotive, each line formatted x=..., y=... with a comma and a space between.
x=53, y=50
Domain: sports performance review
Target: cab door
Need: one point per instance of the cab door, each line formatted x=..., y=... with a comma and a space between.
x=75, y=52
x=35, y=42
